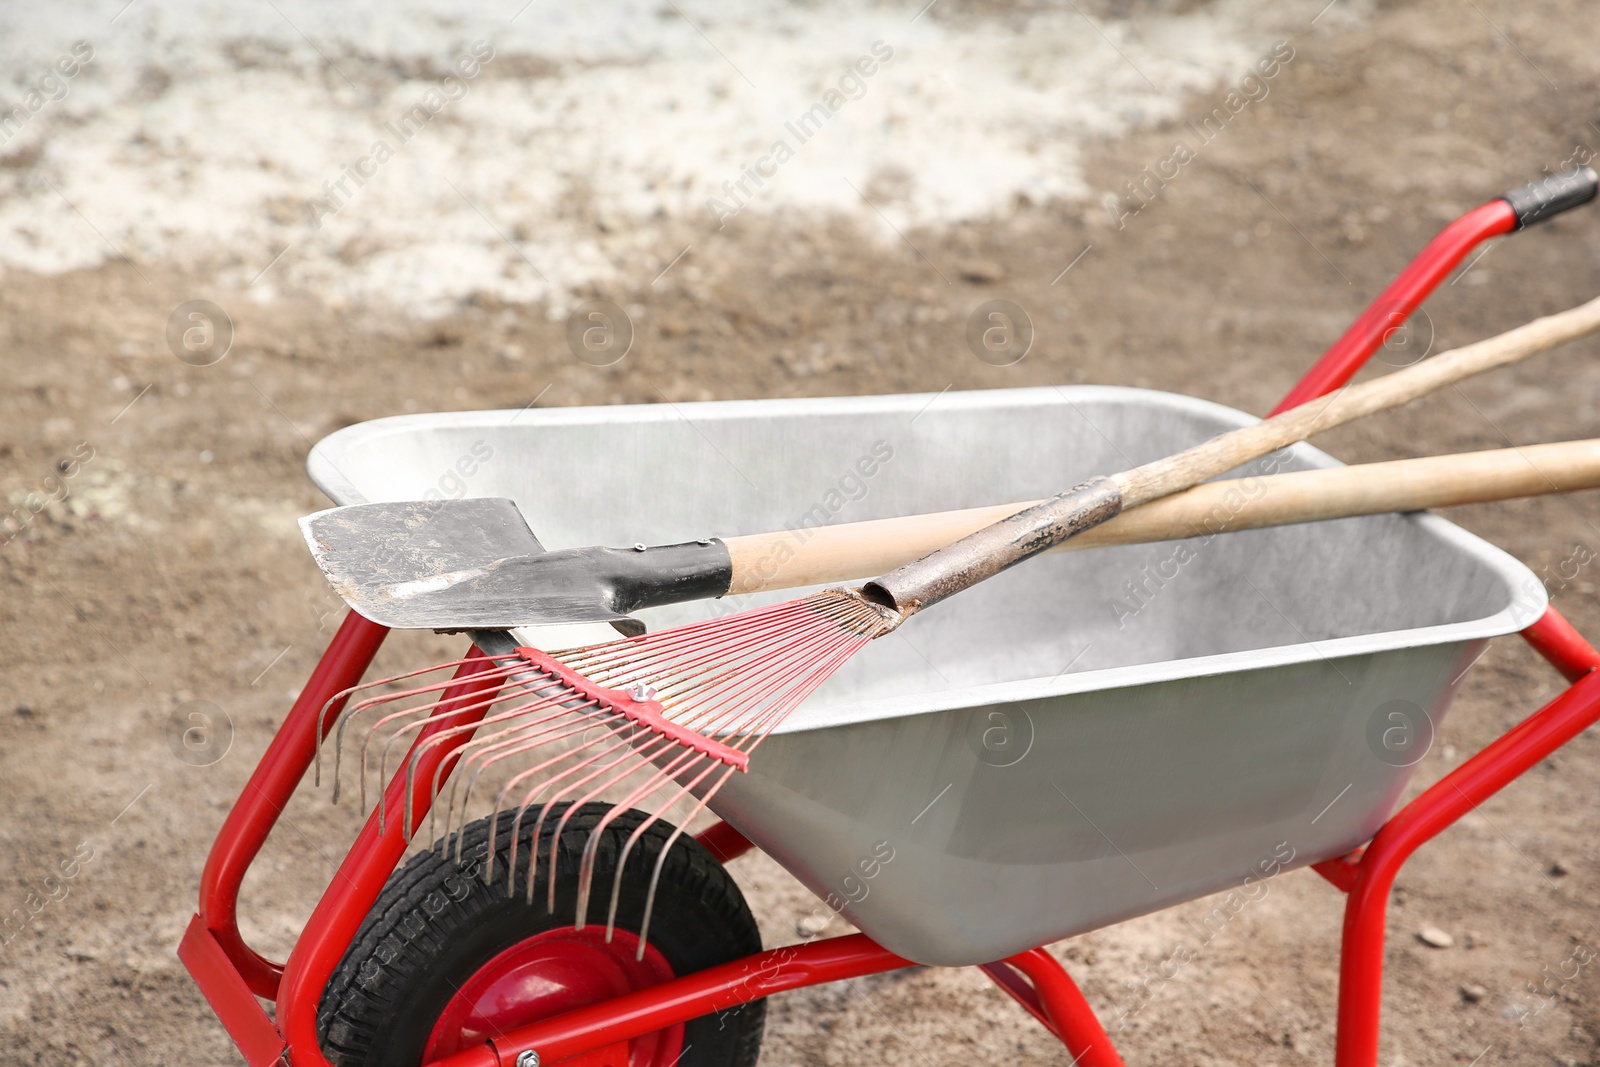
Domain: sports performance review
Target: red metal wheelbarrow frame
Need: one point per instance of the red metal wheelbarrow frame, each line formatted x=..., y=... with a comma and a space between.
x=235, y=978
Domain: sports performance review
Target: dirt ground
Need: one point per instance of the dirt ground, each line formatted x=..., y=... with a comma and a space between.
x=173, y=571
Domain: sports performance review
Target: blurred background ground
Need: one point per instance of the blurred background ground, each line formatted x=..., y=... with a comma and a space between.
x=187, y=159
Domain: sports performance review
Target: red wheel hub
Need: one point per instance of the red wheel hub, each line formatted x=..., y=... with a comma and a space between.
x=548, y=974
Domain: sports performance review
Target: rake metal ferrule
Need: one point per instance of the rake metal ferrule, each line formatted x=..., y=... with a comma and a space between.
x=648, y=714
x=963, y=564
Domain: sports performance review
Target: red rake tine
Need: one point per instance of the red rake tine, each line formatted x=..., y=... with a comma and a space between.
x=506, y=743
x=634, y=758
x=345, y=694
x=634, y=718
x=349, y=714
x=642, y=658
x=751, y=692
x=446, y=735
x=655, y=873
x=422, y=714
x=599, y=660
x=701, y=653
x=780, y=710
x=680, y=765
x=592, y=846
x=445, y=768
x=488, y=699
x=654, y=750
x=420, y=748
x=528, y=799
x=518, y=744
x=429, y=713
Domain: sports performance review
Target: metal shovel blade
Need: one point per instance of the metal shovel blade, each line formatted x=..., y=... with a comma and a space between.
x=446, y=565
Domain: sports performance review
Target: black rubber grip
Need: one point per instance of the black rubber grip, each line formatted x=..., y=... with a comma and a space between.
x=570, y=582
x=1552, y=194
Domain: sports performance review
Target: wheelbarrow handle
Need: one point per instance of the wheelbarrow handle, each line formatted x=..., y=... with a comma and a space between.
x=1551, y=195
x=1520, y=208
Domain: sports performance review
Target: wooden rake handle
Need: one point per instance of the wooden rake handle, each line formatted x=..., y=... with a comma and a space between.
x=1014, y=538
x=850, y=550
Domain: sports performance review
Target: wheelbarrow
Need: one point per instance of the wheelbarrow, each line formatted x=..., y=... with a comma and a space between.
x=1092, y=738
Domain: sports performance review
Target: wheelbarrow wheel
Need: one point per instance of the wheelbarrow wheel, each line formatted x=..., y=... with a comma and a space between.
x=444, y=961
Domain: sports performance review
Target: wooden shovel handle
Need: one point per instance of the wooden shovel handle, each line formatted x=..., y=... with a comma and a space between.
x=846, y=551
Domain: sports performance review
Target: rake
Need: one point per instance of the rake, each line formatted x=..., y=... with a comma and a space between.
x=666, y=718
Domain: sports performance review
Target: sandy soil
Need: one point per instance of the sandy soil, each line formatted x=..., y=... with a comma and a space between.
x=173, y=571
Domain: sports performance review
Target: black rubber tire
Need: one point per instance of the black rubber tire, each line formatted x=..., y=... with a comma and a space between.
x=436, y=923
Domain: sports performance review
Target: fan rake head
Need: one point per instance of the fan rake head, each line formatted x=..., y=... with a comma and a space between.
x=656, y=721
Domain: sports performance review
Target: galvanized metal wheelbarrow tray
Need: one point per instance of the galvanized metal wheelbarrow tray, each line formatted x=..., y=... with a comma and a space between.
x=1085, y=739
x=1126, y=729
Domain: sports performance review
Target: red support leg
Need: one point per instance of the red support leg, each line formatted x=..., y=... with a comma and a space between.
x=1361, y=958
x=1056, y=1001
x=1018, y=988
x=372, y=858
x=237, y=1008
x=724, y=842
x=1554, y=638
x=251, y=819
